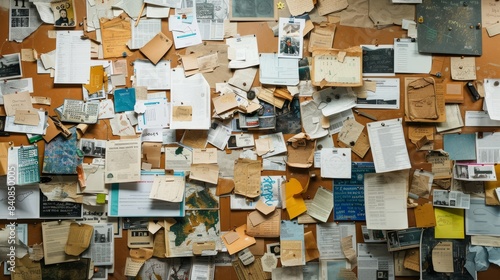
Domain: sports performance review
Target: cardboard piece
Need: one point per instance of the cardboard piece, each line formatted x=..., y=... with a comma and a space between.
x=422, y=102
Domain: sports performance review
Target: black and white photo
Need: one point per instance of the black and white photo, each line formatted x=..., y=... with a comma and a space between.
x=10, y=66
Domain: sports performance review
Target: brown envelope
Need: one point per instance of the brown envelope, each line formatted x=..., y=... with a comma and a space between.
x=155, y=49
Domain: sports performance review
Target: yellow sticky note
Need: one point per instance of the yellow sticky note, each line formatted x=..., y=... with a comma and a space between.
x=101, y=198
x=295, y=204
x=449, y=223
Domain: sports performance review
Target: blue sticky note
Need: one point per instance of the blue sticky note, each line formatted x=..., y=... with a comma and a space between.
x=460, y=146
x=124, y=99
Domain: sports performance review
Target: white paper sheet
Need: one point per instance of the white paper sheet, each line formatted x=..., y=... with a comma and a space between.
x=407, y=59
x=132, y=200
x=194, y=92
x=492, y=98
x=143, y=32
x=385, y=200
x=329, y=236
x=243, y=52
x=488, y=147
x=479, y=118
x=154, y=77
x=155, y=116
x=278, y=71
x=388, y=145
x=72, y=58
x=336, y=163
x=386, y=95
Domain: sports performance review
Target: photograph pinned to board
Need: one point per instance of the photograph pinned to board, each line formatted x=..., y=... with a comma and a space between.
x=291, y=41
x=10, y=66
x=64, y=13
x=253, y=10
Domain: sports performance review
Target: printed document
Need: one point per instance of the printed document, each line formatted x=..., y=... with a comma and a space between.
x=388, y=145
x=385, y=200
x=329, y=236
x=407, y=59
x=72, y=58
x=55, y=235
x=123, y=161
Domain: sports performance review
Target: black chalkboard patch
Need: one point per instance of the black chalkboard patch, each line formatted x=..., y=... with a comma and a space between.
x=378, y=60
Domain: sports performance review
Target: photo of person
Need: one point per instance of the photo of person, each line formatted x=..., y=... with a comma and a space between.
x=290, y=38
x=63, y=13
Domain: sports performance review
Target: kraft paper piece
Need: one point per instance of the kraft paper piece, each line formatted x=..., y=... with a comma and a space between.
x=268, y=226
x=196, y=139
x=30, y=55
x=26, y=269
x=312, y=252
x=222, y=72
x=253, y=271
x=27, y=117
x=295, y=204
x=298, y=7
x=360, y=147
x=78, y=238
x=463, y=68
x=412, y=259
x=421, y=96
x=159, y=246
x=239, y=244
x=263, y=208
x=330, y=6
x=322, y=36
x=200, y=247
x=224, y=186
x=384, y=13
x=155, y=49
x=348, y=250
x=182, y=113
x=300, y=151
x=442, y=257
x=151, y=153
x=225, y=102
x=247, y=177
